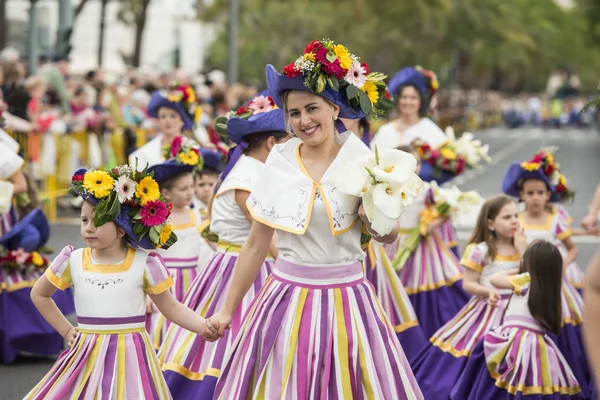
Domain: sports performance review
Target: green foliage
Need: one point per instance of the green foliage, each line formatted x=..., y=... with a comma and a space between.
x=508, y=45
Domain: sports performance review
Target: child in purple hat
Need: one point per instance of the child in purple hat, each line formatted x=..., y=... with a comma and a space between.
x=110, y=354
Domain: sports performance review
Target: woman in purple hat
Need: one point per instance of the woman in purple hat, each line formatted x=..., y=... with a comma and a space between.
x=177, y=111
x=191, y=364
x=316, y=329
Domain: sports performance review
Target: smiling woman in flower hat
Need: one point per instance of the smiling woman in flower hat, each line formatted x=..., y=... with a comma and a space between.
x=176, y=110
x=110, y=354
x=191, y=364
x=316, y=329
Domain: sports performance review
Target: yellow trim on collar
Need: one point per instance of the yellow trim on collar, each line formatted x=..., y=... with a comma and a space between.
x=86, y=263
x=186, y=225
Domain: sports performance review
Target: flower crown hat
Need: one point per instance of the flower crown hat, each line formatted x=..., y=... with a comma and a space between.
x=542, y=166
x=182, y=156
x=331, y=71
x=260, y=115
x=132, y=200
x=424, y=80
x=180, y=98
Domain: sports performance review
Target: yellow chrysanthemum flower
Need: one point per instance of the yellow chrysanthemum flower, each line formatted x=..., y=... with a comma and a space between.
x=309, y=57
x=448, y=153
x=550, y=158
x=165, y=234
x=98, y=183
x=191, y=158
x=343, y=55
x=371, y=90
x=147, y=190
x=530, y=166
x=435, y=84
x=37, y=259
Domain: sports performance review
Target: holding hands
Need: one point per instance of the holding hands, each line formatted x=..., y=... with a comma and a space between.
x=214, y=327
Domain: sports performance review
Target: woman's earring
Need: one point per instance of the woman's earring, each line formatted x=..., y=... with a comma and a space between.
x=335, y=117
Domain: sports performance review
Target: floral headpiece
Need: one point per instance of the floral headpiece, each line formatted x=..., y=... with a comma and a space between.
x=186, y=97
x=258, y=105
x=185, y=151
x=327, y=64
x=132, y=200
x=431, y=80
x=544, y=160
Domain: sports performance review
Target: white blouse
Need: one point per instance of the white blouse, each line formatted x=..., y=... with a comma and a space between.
x=316, y=224
x=227, y=219
x=389, y=137
x=150, y=153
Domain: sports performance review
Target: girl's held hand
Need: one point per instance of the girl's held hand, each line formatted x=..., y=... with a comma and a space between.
x=215, y=326
x=72, y=335
x=493, y=297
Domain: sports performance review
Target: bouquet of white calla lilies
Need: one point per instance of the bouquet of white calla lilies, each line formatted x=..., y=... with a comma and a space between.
x=386, y=182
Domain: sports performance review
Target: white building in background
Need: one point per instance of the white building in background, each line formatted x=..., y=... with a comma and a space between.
x=168, y=22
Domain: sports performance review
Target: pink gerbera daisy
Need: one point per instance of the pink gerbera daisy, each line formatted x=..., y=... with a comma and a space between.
x=356, y=75
x=154, y=213
x=260, y=104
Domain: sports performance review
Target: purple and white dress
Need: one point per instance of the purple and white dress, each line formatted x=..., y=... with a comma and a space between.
x=316, y=328
x=438, y=368
x=517, y=360
x=112, y=357
x=192, y=365
x=570, y=340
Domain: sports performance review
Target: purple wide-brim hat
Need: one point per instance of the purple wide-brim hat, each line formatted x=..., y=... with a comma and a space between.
x=212, y=159
x=279, y=84
x=123, y=220
x=30, y=233
x=239, y=128
x=159, y=99
x=408, y=76
x=516, y=175
x=169, y=169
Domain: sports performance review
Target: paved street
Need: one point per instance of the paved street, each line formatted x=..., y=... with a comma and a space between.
x=579, y=156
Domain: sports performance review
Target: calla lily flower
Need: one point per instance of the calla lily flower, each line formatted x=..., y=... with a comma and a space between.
x=352, y=177
x=394, y=166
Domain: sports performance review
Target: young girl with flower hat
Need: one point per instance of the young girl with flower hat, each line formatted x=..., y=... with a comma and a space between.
x=177, y=111
x=110, y=353
x=184, y=259
x=316, y=328
x=562, y=194
x=528, y=182
x=191, y=364
x=496, y=245
x=22, y=329
x=518, y=360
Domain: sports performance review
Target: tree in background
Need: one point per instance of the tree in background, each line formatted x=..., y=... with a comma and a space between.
x=134, y=12
x=510, y=46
